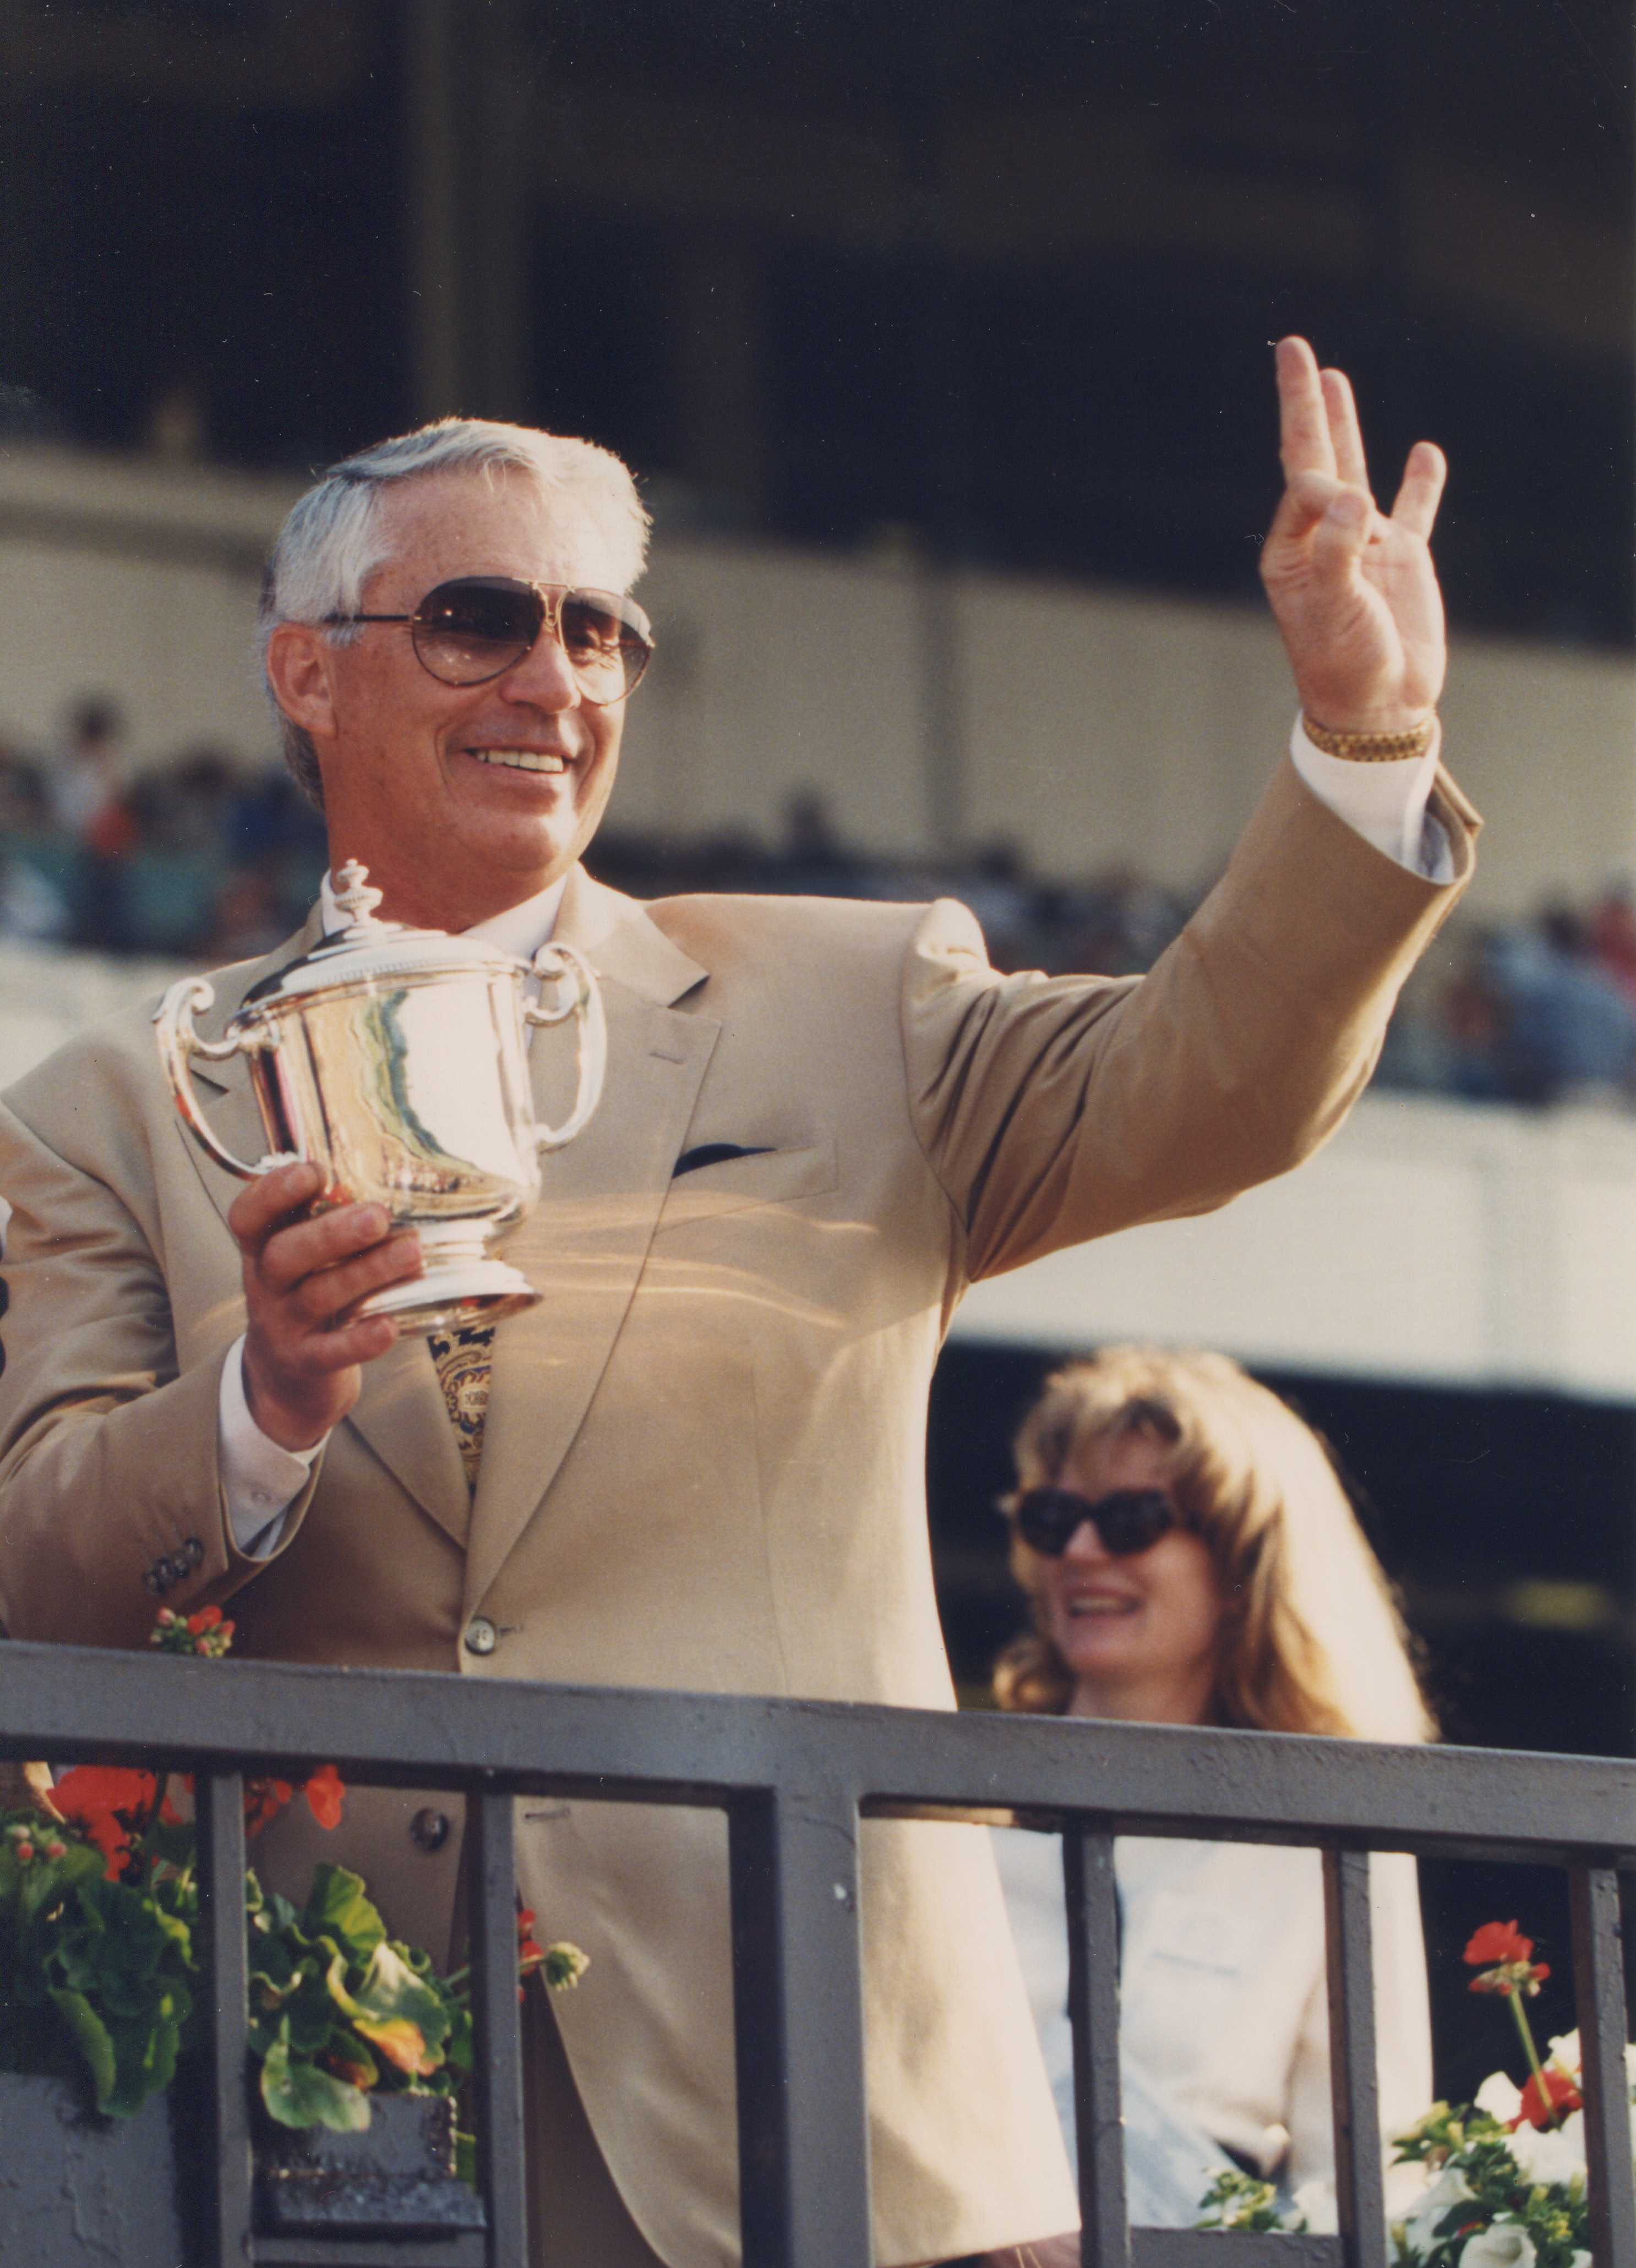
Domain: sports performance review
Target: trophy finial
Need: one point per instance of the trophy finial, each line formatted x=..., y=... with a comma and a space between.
x=355, y=898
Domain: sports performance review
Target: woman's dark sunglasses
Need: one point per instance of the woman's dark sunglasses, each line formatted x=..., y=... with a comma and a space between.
x=1128, y=1520
x=479, y=626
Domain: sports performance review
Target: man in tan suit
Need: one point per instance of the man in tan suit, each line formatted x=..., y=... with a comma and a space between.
x=701, y=1463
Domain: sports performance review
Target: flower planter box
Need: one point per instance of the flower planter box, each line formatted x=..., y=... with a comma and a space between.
x=395, y=2179
x=77, y=2190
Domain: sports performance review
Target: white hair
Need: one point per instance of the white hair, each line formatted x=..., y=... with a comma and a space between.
x=333, y=540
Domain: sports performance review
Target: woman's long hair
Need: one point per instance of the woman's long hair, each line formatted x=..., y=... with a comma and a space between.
x=1310, y=1641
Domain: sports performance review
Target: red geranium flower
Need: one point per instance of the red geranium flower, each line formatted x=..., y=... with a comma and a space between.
x=263, y=1800
x=325, y=1793
x=1498, y=1940
x=1560, y=2097
x=1514, y=1968
x=108, y=1801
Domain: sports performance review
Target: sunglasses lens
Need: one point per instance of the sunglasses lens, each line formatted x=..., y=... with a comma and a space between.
x=607, y=640
x=1133, y=1520
x=467, y=631
x=1047, y=1518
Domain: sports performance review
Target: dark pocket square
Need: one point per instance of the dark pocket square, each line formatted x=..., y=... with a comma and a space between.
x=711, y=1153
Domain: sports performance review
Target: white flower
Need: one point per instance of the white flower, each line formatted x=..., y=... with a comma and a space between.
x=1566, y=2053
x=1551, y=2153
x=1500, y=2098
x=1501, y=2246
x=1315, y=2202
x=1451, y=2188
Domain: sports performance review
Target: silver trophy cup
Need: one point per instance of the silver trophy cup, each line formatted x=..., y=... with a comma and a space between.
x=396, y=1060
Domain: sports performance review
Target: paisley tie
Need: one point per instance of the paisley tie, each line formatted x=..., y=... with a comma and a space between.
x=462, y=1357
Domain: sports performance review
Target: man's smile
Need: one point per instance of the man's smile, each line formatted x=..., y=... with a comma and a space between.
x=521, y=760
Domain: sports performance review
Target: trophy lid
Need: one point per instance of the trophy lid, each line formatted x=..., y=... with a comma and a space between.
x=372, y=951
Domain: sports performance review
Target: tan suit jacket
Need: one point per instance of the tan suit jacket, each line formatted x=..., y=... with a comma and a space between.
x=704, y=1455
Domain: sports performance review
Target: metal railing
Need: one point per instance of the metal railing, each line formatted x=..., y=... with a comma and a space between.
x=794, y=1779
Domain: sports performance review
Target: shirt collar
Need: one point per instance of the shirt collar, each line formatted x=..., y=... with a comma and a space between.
x=521, y=930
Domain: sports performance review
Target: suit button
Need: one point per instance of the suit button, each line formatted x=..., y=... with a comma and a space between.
x=480, y=1635
x=430, y=1829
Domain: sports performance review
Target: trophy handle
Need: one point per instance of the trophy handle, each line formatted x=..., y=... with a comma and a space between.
x=580, y=998
x=179, y=1042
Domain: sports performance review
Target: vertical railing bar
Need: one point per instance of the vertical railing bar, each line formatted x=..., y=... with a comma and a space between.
x=1088, y=1862
x=1599, y=1998
x=761, y=2044
x=798, y=1968
x=219, y=1811
x=1354, y=2085
x=497, y=2065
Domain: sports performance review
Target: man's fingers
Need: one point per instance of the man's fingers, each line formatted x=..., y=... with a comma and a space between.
x=1304, y=441
x=271, y=1201
x=1415, y=506
x=1340, y=535
x=331, y=1291
x=319, y=1242
x=1345, y=434
x=1303, y=504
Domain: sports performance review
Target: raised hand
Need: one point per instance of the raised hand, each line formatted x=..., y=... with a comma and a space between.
x=302, y=1275
x=1353, y=591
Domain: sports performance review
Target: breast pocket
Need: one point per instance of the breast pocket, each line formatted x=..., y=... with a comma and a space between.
x=728, y=1184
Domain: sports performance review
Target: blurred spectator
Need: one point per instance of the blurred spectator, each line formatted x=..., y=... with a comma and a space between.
x=1567, y=1027
x=83, y=781
x=814, y=862
x=36, y=866
x=172, y=876
x=1611, y=931
x=87, y=773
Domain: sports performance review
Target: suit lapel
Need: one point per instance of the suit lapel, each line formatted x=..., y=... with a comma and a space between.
x=583, y=1246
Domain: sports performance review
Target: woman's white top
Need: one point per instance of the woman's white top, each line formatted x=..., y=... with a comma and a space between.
x=1224, y=2013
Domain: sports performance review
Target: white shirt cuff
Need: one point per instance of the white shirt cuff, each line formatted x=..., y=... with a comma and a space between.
x=259, y=1481
x=1385, y=803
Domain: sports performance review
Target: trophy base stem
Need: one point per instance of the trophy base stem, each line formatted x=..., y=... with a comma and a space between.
x=462, y=1283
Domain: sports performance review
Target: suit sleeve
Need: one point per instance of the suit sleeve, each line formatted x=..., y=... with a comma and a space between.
x=1055, y=1109
x=110, y=1498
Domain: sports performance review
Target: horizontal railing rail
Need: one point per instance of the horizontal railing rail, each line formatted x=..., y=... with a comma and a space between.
x=794, y=1779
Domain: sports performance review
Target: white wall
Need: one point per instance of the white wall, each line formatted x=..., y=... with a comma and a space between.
x=1434, y=1241
x=1098, y=726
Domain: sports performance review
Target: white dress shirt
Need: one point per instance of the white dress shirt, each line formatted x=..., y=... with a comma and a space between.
x=1385, y=803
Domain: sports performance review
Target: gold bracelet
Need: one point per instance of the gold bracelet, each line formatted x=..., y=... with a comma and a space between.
x=1371, y=748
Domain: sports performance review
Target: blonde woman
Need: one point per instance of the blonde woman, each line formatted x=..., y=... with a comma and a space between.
x=1190, y=1558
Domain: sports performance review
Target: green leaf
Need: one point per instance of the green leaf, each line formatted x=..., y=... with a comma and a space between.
x=337, y=1907
x=145, y=2053
x=298, y=2094
x=91, y=2036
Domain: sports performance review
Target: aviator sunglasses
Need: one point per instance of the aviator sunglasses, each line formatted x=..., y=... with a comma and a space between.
x=477, y=627
x=1128, y=1520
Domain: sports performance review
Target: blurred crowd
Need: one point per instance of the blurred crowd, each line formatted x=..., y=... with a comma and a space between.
x=189, y=859
x=193, y=860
